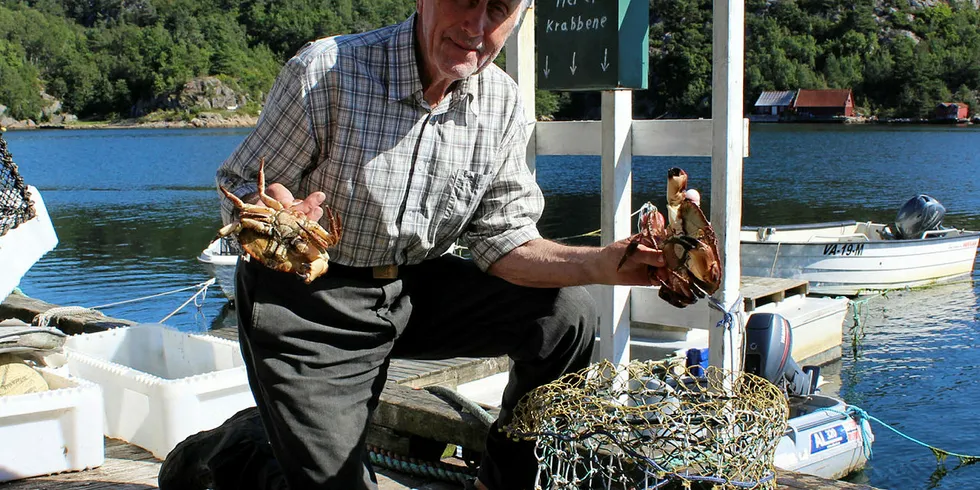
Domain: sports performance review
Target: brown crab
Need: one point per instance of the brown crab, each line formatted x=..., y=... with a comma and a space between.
x=280, y=237
x=692, y=267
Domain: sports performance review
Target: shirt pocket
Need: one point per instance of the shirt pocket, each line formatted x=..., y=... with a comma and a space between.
x=460, y=200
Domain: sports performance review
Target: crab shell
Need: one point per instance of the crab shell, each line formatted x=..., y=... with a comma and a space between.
x=690, y=248
x=280, y=237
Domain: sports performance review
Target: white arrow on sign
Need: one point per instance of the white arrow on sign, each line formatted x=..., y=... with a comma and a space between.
x=605, y=57
x=573, y=67
x=546, y=69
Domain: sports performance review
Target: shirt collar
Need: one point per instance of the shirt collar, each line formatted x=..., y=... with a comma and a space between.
x=404, y=81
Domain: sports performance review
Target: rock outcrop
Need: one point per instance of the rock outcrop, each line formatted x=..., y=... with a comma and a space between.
x=204, y=93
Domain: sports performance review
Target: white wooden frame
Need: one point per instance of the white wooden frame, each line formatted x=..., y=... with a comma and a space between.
x=617, y=137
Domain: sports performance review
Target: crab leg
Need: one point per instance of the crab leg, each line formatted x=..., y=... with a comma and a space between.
x=267, y=199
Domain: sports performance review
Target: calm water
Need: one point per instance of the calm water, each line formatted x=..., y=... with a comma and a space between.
x=134, y=208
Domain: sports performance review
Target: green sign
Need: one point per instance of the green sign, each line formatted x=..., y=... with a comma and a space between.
x=592, y=44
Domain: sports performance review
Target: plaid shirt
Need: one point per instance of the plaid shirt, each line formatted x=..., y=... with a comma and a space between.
x=346, y=117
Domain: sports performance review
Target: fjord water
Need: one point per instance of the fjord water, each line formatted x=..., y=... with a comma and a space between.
x=133, y=208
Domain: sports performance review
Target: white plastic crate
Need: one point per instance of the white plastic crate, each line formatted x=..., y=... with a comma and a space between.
x=161, y=385
x=53, y=431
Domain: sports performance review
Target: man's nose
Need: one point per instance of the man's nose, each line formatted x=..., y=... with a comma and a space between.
x=475, y=20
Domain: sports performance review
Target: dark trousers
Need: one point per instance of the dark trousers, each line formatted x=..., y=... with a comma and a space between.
x=317, y=357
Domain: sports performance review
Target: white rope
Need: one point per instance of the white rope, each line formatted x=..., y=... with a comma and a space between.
x=203, y=292
x=44, y=319
x=204, y=284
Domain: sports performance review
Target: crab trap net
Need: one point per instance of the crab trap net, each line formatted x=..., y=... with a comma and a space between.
x=15, y=200
x=652, y=425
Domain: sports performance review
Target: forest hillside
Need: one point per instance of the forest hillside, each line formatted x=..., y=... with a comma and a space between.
x=113, y=59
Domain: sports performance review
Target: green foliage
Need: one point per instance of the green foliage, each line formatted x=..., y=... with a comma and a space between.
x=19, y=87
x=117, y=57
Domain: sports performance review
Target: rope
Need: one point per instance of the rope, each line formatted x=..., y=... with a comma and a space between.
x=442, y=471
x=433, y=469
x=469, y=405
x=204, y=284
x=728, y=321
x=203, y=293
x=44, y=319
x=594, y=232
x=941, y=454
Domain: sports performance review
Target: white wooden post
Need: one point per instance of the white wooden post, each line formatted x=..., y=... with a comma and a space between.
x=617, y=185
x=520, y=66
x=728, y=46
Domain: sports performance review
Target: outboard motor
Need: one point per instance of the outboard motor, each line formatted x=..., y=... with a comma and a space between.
x=768, y=341
x=919, y=214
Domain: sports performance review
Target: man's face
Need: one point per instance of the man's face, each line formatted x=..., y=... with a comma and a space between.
x=460, y=37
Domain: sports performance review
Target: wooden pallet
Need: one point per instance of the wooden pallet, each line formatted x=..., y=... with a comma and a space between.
x=758, y=291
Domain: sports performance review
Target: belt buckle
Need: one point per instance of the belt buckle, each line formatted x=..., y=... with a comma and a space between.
x=385, y=271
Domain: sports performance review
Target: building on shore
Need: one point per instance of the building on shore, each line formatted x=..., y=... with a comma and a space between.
x=951, y=112
x=823, y=105
x=771, y=105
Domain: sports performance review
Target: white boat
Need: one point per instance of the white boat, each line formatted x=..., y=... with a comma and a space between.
x=220, y=259
x=824, y=438
x=851, y=258
x=23, y=245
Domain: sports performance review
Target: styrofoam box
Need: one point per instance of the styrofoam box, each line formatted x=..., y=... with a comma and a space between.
x=52, y=431
x=161, y=385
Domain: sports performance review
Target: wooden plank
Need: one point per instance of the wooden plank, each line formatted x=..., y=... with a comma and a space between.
x=25, y=308
x=615, y=221
x=661, y=137
x=461, y=372
x=568, y=137
x=677, y=138
x=520, y=66
x=758, y=291
x=727, y=149
x=787, y=480
x=419, y=412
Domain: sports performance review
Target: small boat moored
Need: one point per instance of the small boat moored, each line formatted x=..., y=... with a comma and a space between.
x=852, y=258
x=824, y=436
x=220, y=258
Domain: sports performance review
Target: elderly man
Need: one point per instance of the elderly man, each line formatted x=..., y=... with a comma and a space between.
x=417, y=140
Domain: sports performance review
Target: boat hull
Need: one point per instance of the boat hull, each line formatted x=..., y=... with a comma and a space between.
x=850, y=265
x=23, y=246
x=220, y=259
x=823, y=439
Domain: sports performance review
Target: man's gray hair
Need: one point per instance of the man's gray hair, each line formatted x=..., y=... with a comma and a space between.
x=525, y=5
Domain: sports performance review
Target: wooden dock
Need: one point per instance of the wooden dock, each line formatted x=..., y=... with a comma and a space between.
x=407, y=418
x=758, y=291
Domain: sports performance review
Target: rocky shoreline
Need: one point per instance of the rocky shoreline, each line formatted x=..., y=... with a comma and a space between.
x=204, y=102
x=203, y=120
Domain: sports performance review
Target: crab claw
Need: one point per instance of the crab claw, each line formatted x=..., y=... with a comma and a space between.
x=676, y=187
x=651, y=233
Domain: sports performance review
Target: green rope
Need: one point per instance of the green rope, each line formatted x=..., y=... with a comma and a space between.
x=859, y=308
x=941, y=454
x=412, y=466
x=469, y=405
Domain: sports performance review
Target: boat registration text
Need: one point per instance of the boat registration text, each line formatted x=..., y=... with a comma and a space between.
x=843, y=249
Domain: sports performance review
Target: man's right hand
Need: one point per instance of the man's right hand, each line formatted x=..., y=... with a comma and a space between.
x=311, y=207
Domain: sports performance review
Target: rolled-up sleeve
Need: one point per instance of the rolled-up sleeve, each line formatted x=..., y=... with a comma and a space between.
x=508, y=213
x=283, y=138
